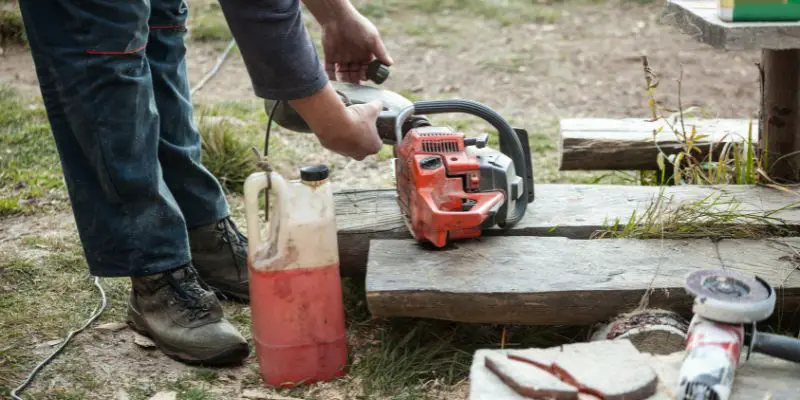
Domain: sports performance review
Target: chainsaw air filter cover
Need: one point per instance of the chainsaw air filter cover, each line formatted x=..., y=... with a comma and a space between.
x=730, y=297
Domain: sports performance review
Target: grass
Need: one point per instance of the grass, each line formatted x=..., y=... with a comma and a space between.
x=207, y=24
x=738, y=161
x=12, y=29
x=715, y=216
x=504, y=12
x=30, y=171
x=35, y=282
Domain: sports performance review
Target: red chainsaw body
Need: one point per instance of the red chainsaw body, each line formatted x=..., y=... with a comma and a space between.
x=438, y=185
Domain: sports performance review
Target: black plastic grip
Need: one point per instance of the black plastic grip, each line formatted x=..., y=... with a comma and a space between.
x=779, y=346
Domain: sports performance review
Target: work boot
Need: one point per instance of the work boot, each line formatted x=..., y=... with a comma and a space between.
x=184, y=319
x=219, y=253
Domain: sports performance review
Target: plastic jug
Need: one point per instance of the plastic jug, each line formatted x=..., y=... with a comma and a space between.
x=295, y=289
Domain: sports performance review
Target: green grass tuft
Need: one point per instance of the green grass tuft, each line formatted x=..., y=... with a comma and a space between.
x=226, y=155
x=207, y=24
x=712, y=217
x=12, y=29
x=504, y=12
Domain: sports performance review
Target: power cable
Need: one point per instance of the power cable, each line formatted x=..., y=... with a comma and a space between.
x=99, y=310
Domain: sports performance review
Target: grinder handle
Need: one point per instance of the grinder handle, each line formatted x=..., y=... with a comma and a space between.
x=780, y=346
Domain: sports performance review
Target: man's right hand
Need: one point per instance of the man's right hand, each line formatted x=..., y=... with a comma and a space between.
x=357, y=136
x=349, y=131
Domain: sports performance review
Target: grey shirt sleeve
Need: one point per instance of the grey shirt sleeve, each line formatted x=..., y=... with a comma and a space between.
x=277, y=50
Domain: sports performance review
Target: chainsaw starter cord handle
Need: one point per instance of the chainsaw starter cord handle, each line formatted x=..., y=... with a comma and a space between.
x=509, y=141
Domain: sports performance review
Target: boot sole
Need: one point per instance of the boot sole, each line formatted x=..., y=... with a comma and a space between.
x=234, y=355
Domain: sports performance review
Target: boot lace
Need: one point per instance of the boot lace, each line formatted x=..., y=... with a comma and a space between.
x=236, y=240
x=190, y=294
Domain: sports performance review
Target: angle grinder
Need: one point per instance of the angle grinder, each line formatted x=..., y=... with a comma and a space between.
x=727, y=306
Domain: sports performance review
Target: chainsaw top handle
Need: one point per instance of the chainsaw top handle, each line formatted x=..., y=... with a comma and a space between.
x=509, y=141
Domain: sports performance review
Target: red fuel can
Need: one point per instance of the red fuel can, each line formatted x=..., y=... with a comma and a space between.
x=295, y=290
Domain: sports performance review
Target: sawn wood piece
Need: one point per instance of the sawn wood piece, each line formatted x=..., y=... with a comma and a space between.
x=630, y=143
x=552, y=281
x=574, y=211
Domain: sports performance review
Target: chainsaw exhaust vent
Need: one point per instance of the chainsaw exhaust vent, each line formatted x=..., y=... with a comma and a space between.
x=440, y=146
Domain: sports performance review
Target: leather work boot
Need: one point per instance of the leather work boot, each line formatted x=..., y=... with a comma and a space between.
x=184, y=319
x=219, y=253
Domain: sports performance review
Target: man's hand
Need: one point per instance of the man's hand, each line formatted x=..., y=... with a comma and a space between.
x=349, y=131
x=349, y=40
x=349, y=45
x=358, y=136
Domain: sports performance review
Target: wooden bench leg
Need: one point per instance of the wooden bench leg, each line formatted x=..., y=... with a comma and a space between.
x=780, y=136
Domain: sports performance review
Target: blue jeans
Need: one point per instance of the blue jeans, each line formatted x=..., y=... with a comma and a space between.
x=114, y=83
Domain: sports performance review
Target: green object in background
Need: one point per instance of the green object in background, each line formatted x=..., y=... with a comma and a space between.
x=759, y=10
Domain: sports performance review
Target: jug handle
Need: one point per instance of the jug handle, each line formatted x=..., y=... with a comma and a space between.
x=253, y=186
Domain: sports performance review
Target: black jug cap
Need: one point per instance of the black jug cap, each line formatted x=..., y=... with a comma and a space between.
x=314, y=173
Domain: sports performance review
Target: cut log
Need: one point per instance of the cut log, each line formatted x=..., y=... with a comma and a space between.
x=699, y=19
x=650, y=330
x=573, y=211
x=632, y=144
x=554, y=281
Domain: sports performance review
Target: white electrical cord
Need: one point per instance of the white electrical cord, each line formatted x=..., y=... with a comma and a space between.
x=217, y=66
x=97, y=312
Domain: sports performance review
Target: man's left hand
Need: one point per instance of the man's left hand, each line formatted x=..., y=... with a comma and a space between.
x=350, y=43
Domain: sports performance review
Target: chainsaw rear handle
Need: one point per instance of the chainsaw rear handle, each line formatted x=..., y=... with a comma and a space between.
x=510, y=143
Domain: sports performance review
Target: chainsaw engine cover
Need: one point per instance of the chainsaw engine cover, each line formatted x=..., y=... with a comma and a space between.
x=730, y=297
x=451, y=187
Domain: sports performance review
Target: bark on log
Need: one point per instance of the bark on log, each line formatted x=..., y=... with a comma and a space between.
x=653, y=331
x=780, y=138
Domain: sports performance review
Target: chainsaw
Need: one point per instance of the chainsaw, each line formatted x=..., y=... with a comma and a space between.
x=450, y=186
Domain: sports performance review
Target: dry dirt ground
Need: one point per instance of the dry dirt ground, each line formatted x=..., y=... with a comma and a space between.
x=570, y=59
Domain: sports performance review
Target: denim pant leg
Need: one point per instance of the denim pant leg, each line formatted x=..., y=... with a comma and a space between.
x=97, y=88
x=198, y=193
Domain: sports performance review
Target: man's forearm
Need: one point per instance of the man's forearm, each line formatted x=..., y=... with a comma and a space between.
x=325, y=11
x=279, y=56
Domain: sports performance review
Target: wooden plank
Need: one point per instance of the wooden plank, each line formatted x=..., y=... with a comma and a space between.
x=760, y=377
x=699, y=19
x=574, y=211
x=633, y=144
x=552, y=281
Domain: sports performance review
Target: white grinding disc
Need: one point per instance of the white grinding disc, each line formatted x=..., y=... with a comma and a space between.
x=730, y=297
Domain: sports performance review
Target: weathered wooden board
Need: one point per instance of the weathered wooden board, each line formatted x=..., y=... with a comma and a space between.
x=574, y=211
x=699, y=19
x=760, y=377
x=634, y=143
x=552, y=281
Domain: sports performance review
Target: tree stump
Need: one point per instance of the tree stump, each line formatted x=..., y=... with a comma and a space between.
x=653, y=331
